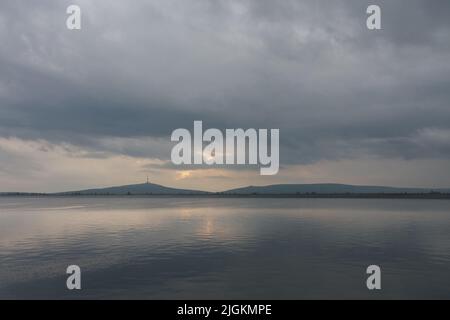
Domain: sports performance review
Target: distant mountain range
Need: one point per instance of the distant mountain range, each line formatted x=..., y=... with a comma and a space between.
x=328, y=188
x=278, y=189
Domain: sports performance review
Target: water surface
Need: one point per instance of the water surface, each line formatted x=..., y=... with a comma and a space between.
x=188, y=248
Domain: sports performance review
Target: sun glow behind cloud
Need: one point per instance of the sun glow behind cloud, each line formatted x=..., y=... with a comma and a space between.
x=183, y=174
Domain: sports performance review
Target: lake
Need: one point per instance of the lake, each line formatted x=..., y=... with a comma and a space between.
x=212, y=248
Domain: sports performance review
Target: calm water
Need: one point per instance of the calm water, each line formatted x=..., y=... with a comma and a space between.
x=223, y=248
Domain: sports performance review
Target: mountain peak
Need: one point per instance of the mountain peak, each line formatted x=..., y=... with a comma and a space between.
x=136, y=189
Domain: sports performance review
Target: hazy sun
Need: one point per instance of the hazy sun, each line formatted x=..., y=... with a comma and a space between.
x=183, y=174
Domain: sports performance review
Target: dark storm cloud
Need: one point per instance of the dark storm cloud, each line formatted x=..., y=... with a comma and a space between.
x=311, y=68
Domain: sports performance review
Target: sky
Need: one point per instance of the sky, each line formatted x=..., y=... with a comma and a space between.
x=96, y=107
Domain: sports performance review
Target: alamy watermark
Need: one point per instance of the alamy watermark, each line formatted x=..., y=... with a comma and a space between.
x=73, y=21
x=373, y=22
x=73, y=282
x=236, y=146
x=374, y=280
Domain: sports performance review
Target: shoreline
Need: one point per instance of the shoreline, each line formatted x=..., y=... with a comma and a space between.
x=430, y=196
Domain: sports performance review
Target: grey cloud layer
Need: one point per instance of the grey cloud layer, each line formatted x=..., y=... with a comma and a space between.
x=140, y=69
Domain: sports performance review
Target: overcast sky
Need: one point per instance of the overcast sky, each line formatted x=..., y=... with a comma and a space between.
x=96, y=107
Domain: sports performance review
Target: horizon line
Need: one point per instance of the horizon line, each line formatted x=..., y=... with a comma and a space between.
x=227, y=190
